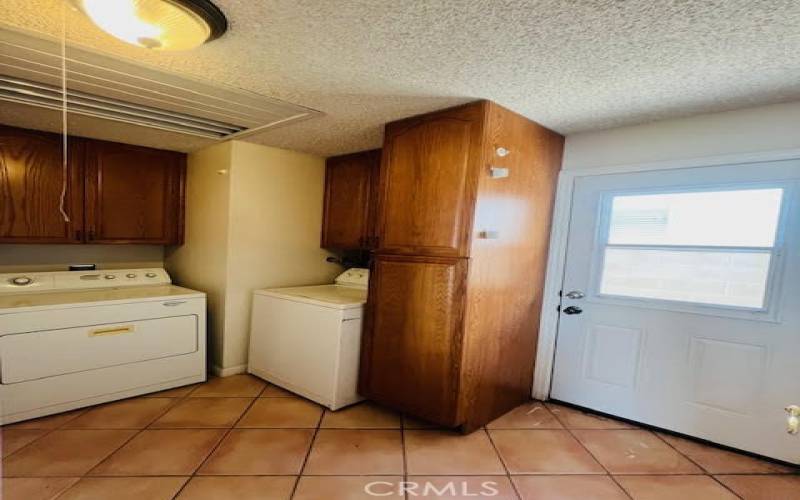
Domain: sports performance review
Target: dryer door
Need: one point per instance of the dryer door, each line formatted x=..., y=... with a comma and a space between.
x=48, y=353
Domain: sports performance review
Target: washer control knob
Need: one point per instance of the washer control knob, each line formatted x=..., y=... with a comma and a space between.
x=21, y=281
x=110, y=277
x=130, y=275
x=151, y=275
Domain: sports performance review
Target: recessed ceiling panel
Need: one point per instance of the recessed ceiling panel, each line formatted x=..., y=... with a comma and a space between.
x=103, y=87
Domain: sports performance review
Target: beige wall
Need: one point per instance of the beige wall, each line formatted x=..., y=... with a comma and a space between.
x=752, y=130
x=275, y=223
x=201, y=262
x=15, y=258
x=256, y=227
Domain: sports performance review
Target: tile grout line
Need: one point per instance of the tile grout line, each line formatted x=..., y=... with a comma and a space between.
x=139, y=431
x=707, y=472
x=308, y=453
x=700, y=467
x=553, y=474
x=46, y=433
x=229, y=429
x=633, y=425
x=503, y=463
x=83, y=412
x=219, y=443
x=403, y=449
x=608, y=472
x=571, y=433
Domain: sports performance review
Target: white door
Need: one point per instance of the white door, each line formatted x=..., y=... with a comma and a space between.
x=681, y=302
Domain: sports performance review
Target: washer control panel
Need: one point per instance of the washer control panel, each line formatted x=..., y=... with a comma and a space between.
x=355, y=277
x=79, y=280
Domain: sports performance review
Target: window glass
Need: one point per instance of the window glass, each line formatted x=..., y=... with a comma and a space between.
x=706, y=277
x=747, y=217
x=712, y=247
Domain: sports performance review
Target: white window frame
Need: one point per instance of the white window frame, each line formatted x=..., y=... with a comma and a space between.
x=770, y=312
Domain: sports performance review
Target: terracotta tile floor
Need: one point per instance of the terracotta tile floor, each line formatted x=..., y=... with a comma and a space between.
x=240, y=438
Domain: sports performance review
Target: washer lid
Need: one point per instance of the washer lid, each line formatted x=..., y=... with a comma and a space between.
x=333, y=296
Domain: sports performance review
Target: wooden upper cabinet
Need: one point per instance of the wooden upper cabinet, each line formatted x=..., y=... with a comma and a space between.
x=430, y=161
x=112, y=193
x=133, y=194
x=348, y=222
x=412, y=352
x=32, y=178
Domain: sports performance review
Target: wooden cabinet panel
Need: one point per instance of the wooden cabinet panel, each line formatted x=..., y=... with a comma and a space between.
x=506, y=274
x=428, y=178
x=455, y=294
x=31, y=182
x=133, y=194
x=412, y=349
x=348, y=222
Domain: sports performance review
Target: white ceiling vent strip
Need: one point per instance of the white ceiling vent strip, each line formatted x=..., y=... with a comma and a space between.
x=104, y=87
x=47, y=96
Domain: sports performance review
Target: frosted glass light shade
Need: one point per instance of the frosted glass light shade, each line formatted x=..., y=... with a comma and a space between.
x=157, y=24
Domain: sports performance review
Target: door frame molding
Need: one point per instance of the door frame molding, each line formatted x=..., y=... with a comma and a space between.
x=556, y=260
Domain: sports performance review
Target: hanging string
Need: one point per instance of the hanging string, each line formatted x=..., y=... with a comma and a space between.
x=64, y=150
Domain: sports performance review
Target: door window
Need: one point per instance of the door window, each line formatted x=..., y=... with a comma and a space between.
x=714, y=247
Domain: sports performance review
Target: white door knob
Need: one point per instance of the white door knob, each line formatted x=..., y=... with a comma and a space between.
x=793, y=420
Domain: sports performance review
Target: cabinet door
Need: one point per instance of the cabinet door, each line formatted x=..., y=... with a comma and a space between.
x=32, y=178
x=134, y=194
x=348, y=217
x=428, y=182
x=411, y=352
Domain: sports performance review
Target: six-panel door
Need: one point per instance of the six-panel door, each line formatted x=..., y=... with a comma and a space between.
x=412, y=352
x=32, y=180
x=428, y=182
x=133, y=194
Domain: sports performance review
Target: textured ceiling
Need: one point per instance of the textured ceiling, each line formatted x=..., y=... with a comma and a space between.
x=570, y=65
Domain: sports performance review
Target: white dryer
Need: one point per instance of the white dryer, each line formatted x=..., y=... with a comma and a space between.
x=74, y=339
x=307, y=339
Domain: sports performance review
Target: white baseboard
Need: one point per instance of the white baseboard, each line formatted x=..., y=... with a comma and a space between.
x=227, y=372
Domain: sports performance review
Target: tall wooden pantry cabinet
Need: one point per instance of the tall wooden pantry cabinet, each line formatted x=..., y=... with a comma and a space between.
x=464, y=206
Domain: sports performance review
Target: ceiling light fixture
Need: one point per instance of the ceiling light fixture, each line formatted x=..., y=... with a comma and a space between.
x=157, y=24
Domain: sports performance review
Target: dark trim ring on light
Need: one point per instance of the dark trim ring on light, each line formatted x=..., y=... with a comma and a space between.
x=210, y=13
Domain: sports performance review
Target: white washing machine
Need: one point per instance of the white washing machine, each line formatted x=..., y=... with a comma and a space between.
x=73, y=339
x=307, y=339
